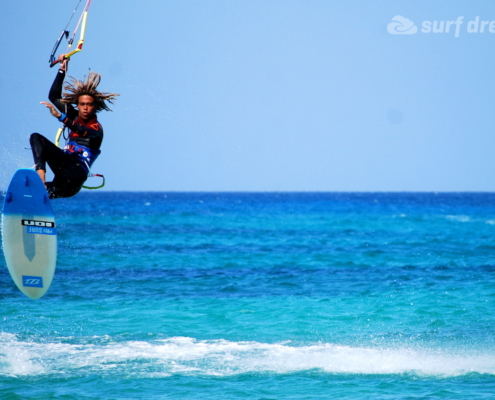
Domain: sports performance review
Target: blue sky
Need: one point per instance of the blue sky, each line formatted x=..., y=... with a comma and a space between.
x=265, y=95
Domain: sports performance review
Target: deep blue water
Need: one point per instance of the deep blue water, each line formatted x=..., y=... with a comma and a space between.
x=259, y=296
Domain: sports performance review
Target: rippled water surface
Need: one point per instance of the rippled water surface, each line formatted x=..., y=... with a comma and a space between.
x=259, y=296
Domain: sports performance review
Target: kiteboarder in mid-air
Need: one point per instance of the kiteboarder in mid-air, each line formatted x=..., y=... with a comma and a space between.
x=71, y=165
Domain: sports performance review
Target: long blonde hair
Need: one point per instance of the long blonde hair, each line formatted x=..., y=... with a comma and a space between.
x=88, y=86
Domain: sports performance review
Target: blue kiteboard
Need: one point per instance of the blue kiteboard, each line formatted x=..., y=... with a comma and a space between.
x=29, y=234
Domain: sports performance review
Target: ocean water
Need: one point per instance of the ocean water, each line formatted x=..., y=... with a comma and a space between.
x=259, y=296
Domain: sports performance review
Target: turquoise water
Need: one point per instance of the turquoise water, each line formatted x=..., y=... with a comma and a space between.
x=259, y=296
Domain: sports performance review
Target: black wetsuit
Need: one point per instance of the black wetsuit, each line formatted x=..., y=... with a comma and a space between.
x=70, y=173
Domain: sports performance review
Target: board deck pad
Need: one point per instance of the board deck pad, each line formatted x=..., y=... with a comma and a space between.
x=29, y=234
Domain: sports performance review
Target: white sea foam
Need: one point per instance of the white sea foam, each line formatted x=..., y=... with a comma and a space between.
x=458, y=218
x=182, y=355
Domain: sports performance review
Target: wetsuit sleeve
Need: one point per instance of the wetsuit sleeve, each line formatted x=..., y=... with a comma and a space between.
x=55, y=96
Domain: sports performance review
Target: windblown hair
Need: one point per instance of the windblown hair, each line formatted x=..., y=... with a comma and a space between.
x=88, y=86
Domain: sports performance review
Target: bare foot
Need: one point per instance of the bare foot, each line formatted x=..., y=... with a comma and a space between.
x=42, y=174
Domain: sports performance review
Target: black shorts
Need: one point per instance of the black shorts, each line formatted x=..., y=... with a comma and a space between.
x=69, y=174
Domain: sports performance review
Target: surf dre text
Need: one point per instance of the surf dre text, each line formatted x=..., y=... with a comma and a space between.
x=404, y=26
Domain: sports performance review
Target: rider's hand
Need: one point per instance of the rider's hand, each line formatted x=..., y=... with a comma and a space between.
x=52, y=109
x=64, y=62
